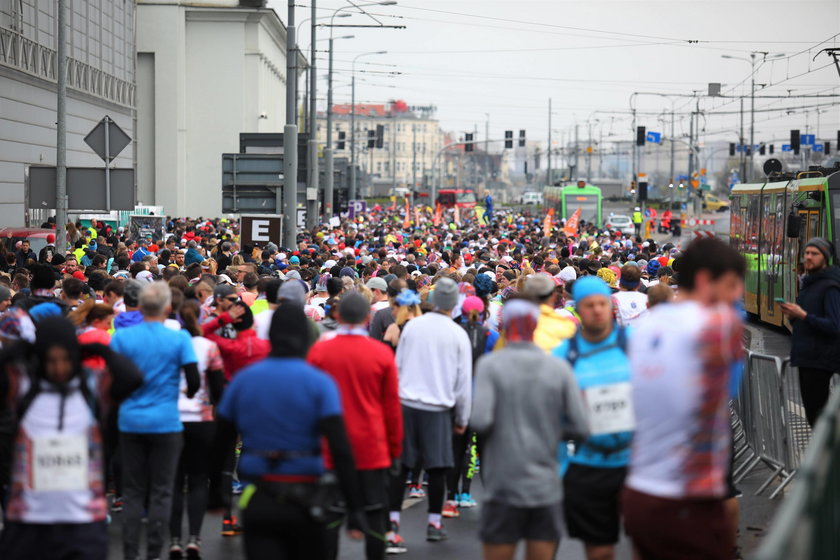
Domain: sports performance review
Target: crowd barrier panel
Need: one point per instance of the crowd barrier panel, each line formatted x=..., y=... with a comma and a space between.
x=806, y=526
x=769, y=424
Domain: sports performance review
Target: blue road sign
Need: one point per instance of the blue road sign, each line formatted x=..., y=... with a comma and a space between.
x=818, y=148
x=654, y=137
x=808, y=139
x=786, y=148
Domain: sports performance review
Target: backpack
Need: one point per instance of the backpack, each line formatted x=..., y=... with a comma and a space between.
x=478, y=339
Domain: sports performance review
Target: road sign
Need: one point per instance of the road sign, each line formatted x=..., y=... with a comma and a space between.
x=654, y=137
x=786, y=148
x=819, y=148
x=107, y=139
x=259, y=230
x=86, y=187
x=807, y=139
x=356, y=207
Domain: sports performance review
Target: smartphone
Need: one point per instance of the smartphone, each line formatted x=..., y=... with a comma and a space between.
x=779, y=300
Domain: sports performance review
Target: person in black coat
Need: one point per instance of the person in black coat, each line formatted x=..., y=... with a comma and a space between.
x=815, y=318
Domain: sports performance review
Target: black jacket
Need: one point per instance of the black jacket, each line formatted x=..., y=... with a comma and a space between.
x=816, y=340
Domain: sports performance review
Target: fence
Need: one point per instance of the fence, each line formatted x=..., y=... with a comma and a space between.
x=769, y=422
x=806, y=527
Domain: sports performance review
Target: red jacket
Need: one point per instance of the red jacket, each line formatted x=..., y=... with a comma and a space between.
x=238, y=352
x=366, y=374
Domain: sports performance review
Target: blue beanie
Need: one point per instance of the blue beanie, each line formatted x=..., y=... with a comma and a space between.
x=653, y=267
x=589, y=286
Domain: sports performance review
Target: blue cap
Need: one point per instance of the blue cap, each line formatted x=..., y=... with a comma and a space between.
x=589, y=286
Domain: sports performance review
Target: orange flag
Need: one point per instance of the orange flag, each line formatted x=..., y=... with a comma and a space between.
x=436, y=220
x=547, y=222
x=457, y=215
x=417, y=216
x=407, y=221
x=571, y=228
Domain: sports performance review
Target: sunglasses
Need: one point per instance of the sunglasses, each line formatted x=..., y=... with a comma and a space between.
x=232, y=299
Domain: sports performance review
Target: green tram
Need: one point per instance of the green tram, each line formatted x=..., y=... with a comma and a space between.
x=769, y=226
x=565, y=200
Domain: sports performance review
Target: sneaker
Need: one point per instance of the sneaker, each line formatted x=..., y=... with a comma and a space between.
x=466, y=501
x=237, y=487
x=435, y=533
x=230, y=528
x=117, y=504
x=416, y=491
x=450, y=509
x=175, y=551
x=395, y=545
x=194, y=549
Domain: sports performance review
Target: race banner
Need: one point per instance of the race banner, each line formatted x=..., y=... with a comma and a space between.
x=547, y=221
x=571, y=228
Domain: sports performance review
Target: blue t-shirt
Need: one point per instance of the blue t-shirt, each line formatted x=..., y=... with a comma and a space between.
x=276, y=405
x=604, y=363
x=160, y=353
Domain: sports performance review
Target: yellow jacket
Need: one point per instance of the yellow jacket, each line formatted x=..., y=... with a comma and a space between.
x=552, y=329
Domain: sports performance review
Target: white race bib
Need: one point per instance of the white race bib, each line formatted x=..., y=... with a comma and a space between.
x=610, y=409
x=60, y=463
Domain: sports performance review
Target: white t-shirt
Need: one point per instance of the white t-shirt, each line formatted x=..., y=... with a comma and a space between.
x=262, y=323
x=199, y=408
x=630, y=306
x=681, y=358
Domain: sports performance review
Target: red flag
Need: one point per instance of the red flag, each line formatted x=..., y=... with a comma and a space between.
x=407, y=221
x=571, y=228
x=437, y=215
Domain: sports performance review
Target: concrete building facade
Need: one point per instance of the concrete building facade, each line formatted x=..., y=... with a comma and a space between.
x=100, y=82
x=205, y=73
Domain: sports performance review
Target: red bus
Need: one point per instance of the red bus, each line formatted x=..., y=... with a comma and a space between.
x=462, y=198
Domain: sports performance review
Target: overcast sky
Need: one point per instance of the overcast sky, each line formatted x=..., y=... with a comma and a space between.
x=506, y=58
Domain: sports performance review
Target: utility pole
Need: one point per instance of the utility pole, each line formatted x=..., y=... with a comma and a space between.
x=689, y=186
x=577, y=150
x=487, y=152
x=312, y=183
x=589, y=156
x=671, y=172
x=352, y=193
x=549, y=182
x=752, y=114
x=413, y=165
x=393, y=151
x=742, y=147
x=61, y=134
x=328, y=151
x=287, y=196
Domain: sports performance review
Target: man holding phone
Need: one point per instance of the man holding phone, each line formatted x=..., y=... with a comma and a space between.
x=815, y=318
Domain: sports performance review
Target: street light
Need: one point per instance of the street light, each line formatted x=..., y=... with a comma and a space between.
x=751, y=61
x=353, y=121
x=328, y=151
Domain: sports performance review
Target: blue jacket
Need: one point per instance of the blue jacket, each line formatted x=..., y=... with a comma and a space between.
x=192, y=256
x=815, y=342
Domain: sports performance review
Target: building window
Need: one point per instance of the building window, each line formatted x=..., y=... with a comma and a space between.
x=379, y=167
x=384, y=145
x=387, y=167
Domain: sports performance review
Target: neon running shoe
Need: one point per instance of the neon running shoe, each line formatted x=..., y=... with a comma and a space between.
x=416, y=491
x=466, y=501
x=230, y=527
x=450, y=509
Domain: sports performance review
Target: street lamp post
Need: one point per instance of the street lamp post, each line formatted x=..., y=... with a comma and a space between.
x=329, y=186
x=353, y=121
x=312, y=152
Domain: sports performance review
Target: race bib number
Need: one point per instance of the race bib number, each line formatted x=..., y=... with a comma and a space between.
x=610, y=409
x=60, y=463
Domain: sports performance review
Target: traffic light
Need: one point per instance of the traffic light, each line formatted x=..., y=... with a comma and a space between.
x=468, y=142
x=508, y=139
x=731, y=149
x=794, y=141
x=772, y=148
x=521, y=138
x=762, y=150
x=827, y=148
x=341, y=136
x=641, y=135
x=380, y=135
x=643, y=191
x=371, y=139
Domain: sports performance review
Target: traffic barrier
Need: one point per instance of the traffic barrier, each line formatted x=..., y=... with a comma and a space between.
x=805, y=527
x=769, y=423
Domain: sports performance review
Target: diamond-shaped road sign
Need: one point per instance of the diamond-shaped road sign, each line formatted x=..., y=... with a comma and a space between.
x=116, y=142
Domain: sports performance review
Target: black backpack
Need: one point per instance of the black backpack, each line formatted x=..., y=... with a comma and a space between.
x=478, y=339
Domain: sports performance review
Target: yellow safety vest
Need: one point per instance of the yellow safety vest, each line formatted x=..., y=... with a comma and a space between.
x=637, y=217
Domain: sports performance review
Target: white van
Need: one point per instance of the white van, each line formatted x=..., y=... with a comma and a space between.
x=532, y=198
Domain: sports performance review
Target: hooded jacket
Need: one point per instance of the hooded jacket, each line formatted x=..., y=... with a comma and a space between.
x=815, y=342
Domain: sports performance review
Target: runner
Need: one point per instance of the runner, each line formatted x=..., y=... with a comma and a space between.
x=366, y=375
x=435, y=364
x=283, y=407
x=681, y=447
x=526, y=402
x=594, y=479
x=630, y=304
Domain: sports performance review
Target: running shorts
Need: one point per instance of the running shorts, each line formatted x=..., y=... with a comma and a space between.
x=504, y=524
x=427, y=439
x=591, y=503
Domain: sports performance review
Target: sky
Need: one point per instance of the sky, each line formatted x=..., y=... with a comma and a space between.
x=501, y=61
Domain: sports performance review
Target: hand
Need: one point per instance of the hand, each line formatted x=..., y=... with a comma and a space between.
x=236, y=312
x=460, y=430
x=396, y=468
x=793, y=311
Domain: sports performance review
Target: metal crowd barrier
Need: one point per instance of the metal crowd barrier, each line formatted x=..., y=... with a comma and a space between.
x=769, y=423
x=806, y=527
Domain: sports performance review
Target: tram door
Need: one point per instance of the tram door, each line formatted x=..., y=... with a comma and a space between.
x=771, y=256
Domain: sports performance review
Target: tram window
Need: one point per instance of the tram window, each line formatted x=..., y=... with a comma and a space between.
x=835, y=214
x=814, y=224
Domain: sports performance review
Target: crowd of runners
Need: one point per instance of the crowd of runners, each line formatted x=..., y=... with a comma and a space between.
x=581, y=378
